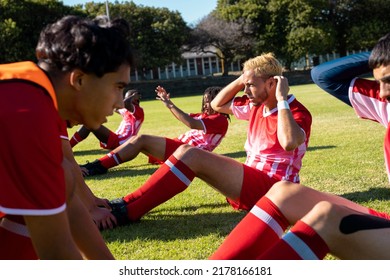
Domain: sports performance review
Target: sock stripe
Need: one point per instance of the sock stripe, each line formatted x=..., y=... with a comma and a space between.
x=299, y=246
x=266, y=218
x=116, y=159
x=178, y=173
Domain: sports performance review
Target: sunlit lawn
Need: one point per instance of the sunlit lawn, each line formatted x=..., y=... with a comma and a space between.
x=345, y=157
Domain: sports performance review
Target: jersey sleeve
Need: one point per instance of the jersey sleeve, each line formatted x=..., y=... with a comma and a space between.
x=301, y=116
x=241, y=107
x=138, y=113
x=215, y=124
x=365, y=100
x=33, y=180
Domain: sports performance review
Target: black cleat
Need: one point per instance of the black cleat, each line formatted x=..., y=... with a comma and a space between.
x=94, y=168
x=119, y=210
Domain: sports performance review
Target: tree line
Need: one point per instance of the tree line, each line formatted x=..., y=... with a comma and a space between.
x=236, y=29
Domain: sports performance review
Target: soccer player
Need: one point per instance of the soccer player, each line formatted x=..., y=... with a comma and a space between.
x=323, y=223
x=369, y=98
x=132, y=119
x=277, y=139
x=82, y=69
x=207, y=129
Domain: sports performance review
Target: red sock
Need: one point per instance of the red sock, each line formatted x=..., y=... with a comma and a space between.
x=110, y=160
x=379, y=214
x=76, y=138
x=170, y=179
x=300, y=243
x=260, y=229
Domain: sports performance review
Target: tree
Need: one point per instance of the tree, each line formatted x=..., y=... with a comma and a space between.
x=21, y=22
x=228, y=40
x=157, y=34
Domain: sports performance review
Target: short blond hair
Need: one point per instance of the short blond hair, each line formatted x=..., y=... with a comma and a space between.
x=264, y=64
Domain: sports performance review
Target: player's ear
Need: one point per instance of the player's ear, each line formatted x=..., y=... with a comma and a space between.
x=76, y=78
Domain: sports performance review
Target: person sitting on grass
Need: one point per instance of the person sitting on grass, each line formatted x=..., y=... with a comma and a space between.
x=369, y=99
x=323, y=223
x=207, y=129
x=277, y=138
x=132, y=119
x=81, y=71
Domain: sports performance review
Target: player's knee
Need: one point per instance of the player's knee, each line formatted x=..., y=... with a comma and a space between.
x=282, y=190
x=189, y=155
x=325, y=215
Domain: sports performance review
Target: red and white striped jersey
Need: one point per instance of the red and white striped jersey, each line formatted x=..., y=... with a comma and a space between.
x=365, y=99
x=214, y=129
x=262, y=146
x=130, y=124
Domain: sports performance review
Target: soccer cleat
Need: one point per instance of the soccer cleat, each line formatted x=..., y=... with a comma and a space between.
x=119, y=210
x=94, y=168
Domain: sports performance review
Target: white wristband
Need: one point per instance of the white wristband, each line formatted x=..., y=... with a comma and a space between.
x=283, y=105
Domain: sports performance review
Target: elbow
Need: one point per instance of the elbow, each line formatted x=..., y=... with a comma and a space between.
x=215, y=106
x=289, y=146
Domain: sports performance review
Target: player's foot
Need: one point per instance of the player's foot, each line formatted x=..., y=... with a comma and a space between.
x=93, y=168
x=119, y=210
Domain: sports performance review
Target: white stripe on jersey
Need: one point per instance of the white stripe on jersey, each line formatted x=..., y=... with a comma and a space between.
x=14, y=227
x=33, y=212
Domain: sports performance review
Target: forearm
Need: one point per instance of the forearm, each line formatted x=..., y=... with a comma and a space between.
x=183, y=117
x=85, y=232
x=290, y=134
x=335, y=76
x=221, y=103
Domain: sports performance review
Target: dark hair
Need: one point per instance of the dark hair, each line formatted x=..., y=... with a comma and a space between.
x=380, y=54
x=213, y=92
x=93, y=46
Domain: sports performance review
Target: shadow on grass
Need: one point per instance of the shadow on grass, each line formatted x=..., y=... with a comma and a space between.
x=236, y=154
x=128, y=171
x=315, y=148
x=169, y=227
x=97, y=152
x=375, y=193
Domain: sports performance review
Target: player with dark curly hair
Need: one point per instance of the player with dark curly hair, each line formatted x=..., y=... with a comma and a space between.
x=83, y=67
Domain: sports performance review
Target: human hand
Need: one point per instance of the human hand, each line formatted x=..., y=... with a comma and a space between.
x=163, y=96
x=102, y=202
x=282, y=88
x=103, y=218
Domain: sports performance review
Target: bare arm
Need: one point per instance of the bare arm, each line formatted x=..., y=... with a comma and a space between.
x=177, y=112
x=222, y=102
x=51, y=237
x=102, y=216
x=290, y=134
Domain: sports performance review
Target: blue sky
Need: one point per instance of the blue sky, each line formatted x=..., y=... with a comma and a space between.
x=191, y=10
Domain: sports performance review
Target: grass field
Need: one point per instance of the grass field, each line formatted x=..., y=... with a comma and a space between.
x=345, y=157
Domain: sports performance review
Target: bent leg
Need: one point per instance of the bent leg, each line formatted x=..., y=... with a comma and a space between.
x=147, y=144
x=351, y=234
x=176, y=174
x=295, y=200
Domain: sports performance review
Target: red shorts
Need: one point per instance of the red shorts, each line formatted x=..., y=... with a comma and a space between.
x=170, y=147
x=254, y=186
x=15, y=246
x=112, y=143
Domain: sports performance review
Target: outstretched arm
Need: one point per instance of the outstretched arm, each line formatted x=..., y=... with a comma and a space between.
x=185, y=118
x=336, y=75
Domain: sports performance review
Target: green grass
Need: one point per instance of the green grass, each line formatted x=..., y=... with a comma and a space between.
x=345, y=157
